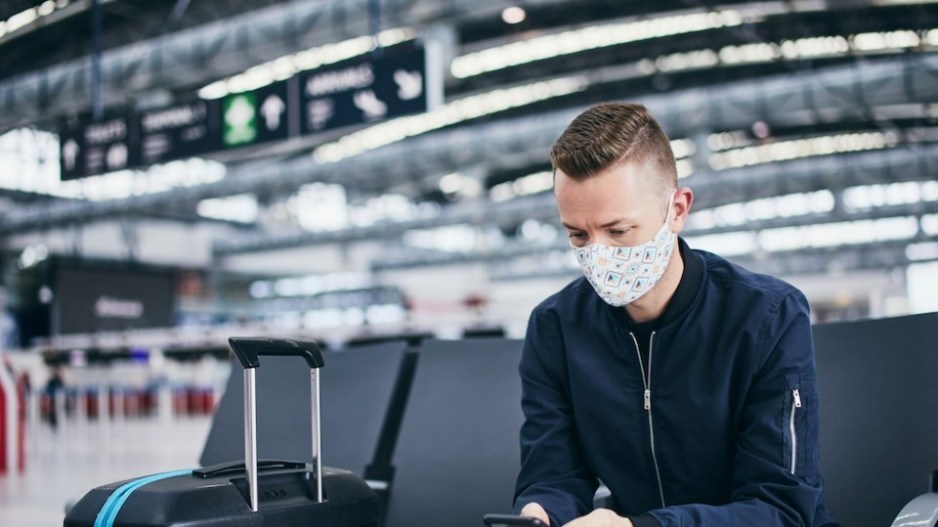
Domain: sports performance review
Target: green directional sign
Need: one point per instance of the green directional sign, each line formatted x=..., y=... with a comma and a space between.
x=239, y=119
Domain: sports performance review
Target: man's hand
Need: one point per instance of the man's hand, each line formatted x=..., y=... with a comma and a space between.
x=534, y=510
x=600, y=518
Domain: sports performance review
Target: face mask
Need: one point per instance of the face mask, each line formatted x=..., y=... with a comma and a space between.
x=621, y=275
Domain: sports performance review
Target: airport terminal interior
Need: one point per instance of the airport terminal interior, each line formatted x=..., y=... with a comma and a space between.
x=374, y=176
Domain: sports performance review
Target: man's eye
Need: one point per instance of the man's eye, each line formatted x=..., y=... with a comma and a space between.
x=617, y=232
x=577, y=235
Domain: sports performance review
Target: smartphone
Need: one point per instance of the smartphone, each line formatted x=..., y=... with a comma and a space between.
x=511, y=520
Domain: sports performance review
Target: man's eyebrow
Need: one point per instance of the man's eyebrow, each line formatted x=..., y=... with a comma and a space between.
x=604, y=226
x=616, y=222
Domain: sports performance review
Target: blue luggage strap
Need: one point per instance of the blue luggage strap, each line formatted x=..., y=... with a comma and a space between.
x=115, y=501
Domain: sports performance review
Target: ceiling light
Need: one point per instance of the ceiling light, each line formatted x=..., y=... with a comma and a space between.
x=922, y=251
x=818, y=202
x=757, y=52
x=703, y=58
x=684, y=168
x=21, y=19
x=241, y=208
x=452, y=113
x=683, y=147
x=450, y=238
x=588, y=38
x=513, y=15
x=284, y=67
x=814, y=47
x=800, y=148
x=727, y=140
x=903, y=2
x=761, y=130
x=872, y=196
x=931, y=37
x=930, y=224
x=841, y=233
x=885, y=40
x=729, y=244
x=46, y=8
x=451, y=183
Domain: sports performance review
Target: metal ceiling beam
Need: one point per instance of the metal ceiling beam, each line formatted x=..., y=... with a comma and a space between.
x=200, y=55
x=521, y=249
x=842, y=93
x=183, y=216
x=832, y=260
x=711, y=190
x=811, y=261
x=75, y=8
x=835, y=216
x=187, y=58
x=203, y=54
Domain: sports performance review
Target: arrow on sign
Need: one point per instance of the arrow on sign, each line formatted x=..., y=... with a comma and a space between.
x=116, y=156
x=70, y=154
x=239, y=119
x=370, y=104
x=271, y=111
x=409, y=84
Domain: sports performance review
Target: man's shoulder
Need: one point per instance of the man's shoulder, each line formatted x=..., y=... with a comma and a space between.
x=735, y=280
x=570, y=298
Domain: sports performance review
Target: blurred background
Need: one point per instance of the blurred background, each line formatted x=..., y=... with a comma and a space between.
x=176, y=172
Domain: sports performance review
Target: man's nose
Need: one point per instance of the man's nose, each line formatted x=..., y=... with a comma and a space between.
x=601, y=238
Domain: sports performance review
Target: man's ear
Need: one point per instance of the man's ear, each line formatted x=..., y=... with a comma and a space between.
x=683, y=199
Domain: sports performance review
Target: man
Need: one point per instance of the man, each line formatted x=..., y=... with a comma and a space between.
x=683, y=382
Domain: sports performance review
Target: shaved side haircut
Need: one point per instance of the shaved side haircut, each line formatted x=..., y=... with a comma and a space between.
x=615, y=133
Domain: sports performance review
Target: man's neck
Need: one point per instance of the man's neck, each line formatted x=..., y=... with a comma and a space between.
x=653, y=304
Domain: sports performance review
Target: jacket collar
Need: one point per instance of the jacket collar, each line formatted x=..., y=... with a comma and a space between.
x=683, y=298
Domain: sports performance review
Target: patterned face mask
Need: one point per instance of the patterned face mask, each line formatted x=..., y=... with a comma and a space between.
x=621, y=275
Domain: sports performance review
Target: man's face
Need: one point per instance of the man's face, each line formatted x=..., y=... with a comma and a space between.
x=620, y=207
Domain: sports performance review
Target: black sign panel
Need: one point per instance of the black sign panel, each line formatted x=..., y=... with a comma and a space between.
x=178, y=131
x=389, y=84
x=87, y=147
x=89, y=299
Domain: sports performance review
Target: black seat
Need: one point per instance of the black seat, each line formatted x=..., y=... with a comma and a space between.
x=357, y=386
x=457, y=455
x=879, y=415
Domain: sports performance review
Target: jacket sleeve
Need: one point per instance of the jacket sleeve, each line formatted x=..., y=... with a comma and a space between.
x=553, y=472
x=776, y=480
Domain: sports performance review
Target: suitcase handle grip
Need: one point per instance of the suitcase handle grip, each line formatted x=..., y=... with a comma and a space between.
x=248, y=349
x=238, y=467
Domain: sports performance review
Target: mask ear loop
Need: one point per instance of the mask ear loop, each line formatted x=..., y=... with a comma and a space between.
x=667, y=215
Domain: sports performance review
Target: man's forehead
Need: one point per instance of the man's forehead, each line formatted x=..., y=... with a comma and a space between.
x=639, y=171
x=636, y=175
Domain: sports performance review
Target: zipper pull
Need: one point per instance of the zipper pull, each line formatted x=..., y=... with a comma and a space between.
x=797, y=396
x=648, y=400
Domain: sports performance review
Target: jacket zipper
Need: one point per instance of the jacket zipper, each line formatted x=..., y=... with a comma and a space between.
x=795, y=404
x=647, y=403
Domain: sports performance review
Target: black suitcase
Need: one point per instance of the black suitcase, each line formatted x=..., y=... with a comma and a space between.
x=281, y=493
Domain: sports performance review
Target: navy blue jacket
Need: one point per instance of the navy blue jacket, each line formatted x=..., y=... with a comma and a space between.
x=730, y=433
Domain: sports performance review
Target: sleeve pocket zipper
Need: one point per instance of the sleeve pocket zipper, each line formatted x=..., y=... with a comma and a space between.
x=795, y=404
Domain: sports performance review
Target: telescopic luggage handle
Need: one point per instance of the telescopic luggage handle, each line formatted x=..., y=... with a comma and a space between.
x=248, y=349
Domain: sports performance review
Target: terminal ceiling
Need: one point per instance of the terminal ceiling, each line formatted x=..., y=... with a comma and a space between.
x=167, y=51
